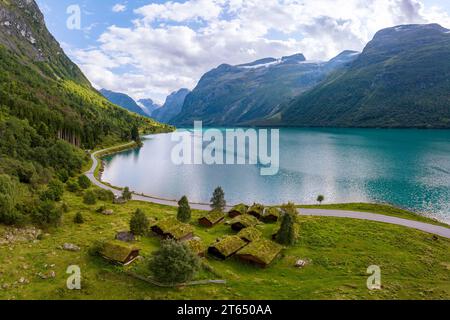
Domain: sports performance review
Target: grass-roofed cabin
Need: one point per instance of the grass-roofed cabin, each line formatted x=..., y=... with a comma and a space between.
x=250, y=234
x=261, y=252
x=256, y=210
x=242, y=222
x=211, y=219
x=226, y=247
x=238, y=210
x=173, y=229
x=271, y=215
x=197, y=246
x=119, y=252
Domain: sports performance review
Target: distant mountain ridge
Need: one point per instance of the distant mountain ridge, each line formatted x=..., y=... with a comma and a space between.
x=148, y=105
x=401, y=79
x=123, y=100
x=233, y=95
x=172, y=107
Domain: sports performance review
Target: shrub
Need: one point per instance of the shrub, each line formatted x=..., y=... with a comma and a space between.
x=218, y=200
x=78, y=219
x=47, y=214
x=320, y=199
x=25, y=171
x=104, y=195
x=65, y=207
x=89, y=197
x=174, y=263
x=96, y=248
x=139, y=223
x=9, y=215
x=8, y=201
x=73, y=186
x=84, y=182
x=126, y=194
x=184, y=210
x=63, y=175
x=101, y=209
x=54, y=191
x=287, y=234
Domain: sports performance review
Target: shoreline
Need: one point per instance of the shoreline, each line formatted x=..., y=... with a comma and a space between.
x=431, y=226
x=100, y=154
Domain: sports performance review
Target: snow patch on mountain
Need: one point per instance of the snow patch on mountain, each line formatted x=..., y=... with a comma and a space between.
x=262, y=65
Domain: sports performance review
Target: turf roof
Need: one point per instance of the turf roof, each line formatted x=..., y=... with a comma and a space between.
x=262, y=250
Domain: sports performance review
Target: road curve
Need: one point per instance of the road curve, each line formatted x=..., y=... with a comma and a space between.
x=426, y=227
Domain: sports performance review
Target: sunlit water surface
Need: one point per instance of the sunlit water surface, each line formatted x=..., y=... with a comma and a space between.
x=408, y=168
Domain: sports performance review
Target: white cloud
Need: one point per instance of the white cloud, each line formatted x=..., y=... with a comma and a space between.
x=119, y=8
x=206, y=10
x=171, y=45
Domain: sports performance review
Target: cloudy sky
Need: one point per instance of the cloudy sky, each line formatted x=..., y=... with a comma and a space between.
x=148, y=49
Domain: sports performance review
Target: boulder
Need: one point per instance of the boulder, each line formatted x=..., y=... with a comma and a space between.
x=108, y=212
x=70, y=247
x=301, y=263
x=125, y=236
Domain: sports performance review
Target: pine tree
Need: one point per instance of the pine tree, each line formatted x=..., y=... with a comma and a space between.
x=184, y=210
x=84, y=182
x=126, y=194
x=287, y=234
x=139, y=223
x=218, y=200
x=135, y=135
x=90, y=197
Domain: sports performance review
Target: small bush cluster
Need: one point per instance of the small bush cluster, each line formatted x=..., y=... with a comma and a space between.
x=174, y=263
x=139, y=223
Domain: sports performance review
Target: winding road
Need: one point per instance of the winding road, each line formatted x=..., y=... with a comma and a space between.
x=426, y=227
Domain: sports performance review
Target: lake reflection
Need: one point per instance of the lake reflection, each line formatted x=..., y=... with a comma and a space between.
x=409, y=168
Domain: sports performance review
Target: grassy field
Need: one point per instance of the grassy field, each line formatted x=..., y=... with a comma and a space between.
x=414, y=265
x=384, y=209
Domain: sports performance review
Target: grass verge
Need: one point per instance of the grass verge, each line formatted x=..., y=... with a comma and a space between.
x=384, y=209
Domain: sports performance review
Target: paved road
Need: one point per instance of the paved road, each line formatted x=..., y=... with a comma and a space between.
x=426, y=227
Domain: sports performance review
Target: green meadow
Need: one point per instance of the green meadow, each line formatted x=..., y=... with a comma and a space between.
x=414, y=264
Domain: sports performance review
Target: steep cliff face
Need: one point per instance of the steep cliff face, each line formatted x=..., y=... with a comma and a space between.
x=23, y=32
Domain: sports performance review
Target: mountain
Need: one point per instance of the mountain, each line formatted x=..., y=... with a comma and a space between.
x=401, y=79
x=24, y=35
x=148, y=105
x=231, y=95
x=123, y=100
x=172, y=107
x=49, y=111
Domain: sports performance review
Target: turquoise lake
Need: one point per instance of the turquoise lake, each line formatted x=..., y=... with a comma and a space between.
x=407, y=168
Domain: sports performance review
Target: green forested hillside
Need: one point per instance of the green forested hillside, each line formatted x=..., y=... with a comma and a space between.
x=48, y=113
